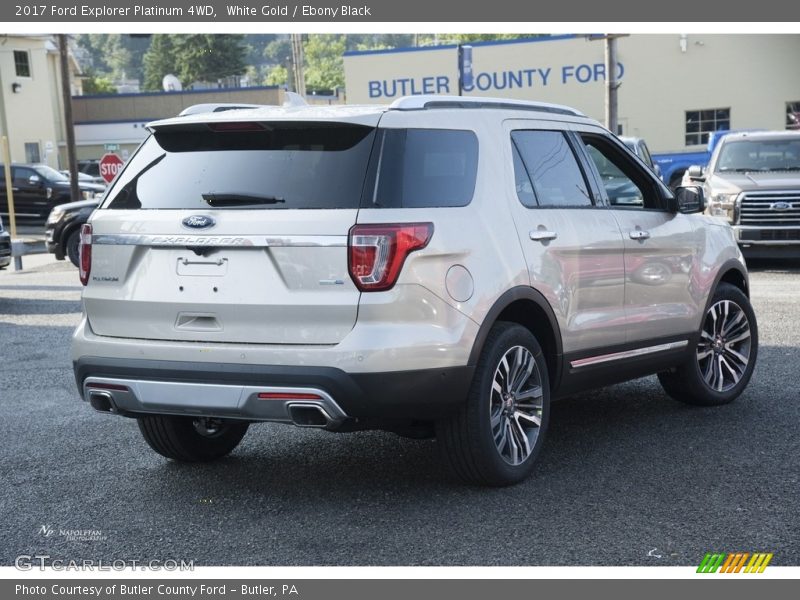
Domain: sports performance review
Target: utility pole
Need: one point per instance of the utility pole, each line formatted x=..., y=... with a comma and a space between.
x=611, y=83
x=298, y=64
x=66, y=94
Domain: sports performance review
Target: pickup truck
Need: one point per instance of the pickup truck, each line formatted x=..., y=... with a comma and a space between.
x=753, y=182
x=674, y=164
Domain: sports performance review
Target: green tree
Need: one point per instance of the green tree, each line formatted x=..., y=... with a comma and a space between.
x=208, y=57
x=277, y=75
x=95, y=84
x=159, y=60
x=324, y=64
x=278, y=50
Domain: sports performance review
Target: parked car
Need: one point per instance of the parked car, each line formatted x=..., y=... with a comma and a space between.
x=442, y=265
x=5, y=246
x=639, y=147
x=753, y=182
x=38, y=188
x=84, y=178
x=63, y=228
x=91, y=169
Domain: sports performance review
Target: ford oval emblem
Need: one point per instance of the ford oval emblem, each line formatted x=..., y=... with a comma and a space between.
x=199, y=222
x=780, y=205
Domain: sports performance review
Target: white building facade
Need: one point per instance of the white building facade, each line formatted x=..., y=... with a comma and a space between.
x=675, y=89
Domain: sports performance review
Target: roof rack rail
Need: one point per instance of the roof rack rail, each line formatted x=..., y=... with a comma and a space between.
x=215, y=107
x=425, y=102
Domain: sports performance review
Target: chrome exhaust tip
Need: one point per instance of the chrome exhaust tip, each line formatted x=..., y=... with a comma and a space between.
x=309, y=415
x=101, y=401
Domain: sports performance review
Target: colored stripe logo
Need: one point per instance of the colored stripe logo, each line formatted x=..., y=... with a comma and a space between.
x=735, y=562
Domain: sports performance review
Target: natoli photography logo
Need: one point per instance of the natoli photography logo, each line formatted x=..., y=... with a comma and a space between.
x=73, y=535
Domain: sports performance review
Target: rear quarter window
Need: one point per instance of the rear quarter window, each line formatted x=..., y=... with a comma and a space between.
x=422, y=168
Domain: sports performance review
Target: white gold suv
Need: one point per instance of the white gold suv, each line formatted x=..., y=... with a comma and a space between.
x=437, y=266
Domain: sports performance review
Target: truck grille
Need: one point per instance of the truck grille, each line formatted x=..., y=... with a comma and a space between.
x=776, y=208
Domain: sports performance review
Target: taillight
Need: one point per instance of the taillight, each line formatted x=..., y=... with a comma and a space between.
x=85, y=253
x=376, y=253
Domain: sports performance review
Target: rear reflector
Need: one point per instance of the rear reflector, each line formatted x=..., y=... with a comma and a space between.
x=85, y=253
x=376, y=253
x=108, y=386
x=288, y=396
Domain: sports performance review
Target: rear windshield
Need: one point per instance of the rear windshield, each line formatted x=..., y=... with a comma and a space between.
x=283, y=165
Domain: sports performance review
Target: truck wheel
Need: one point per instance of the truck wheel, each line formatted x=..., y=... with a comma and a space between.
x=73, y=241
x=191, y=439
x=495, y=438
x=725, y=355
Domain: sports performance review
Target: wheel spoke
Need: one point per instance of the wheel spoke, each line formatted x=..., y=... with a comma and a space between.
x=535, y=419
x=522, y=438
x=512, y=441
x=534, y=392
x=731, y=323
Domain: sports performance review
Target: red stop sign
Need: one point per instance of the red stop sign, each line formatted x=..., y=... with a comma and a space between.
x=110, y=165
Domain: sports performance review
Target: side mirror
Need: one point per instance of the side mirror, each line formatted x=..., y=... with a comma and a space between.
x=689, y=200
x=34, y=180
x=695, y=172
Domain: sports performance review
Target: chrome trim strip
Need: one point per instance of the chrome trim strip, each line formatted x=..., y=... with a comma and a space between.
x=603, y=358
x=250, y=241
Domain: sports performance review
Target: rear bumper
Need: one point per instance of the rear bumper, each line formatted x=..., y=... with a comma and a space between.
x=137, y=387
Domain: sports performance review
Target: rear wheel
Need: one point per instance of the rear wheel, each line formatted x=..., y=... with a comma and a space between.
x=725, y=356
x=495, y=438
x=191, y=439
x=73, y=242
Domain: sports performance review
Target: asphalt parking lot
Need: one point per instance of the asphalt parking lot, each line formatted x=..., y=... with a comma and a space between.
x=627, y=477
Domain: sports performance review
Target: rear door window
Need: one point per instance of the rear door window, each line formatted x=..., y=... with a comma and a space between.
x=286, y=165
x=551, y=168
x=422, y=168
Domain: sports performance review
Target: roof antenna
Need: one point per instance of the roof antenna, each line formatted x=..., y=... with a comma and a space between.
x=293, y=99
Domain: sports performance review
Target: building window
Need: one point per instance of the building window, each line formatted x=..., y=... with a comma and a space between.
x=32, y=152
x=793, y=115
x=22, y=63
x=699, y=123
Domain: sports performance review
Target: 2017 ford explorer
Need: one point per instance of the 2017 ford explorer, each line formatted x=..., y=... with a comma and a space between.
x=442, y=266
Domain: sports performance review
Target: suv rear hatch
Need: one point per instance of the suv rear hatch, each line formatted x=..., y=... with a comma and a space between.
x=232, y=231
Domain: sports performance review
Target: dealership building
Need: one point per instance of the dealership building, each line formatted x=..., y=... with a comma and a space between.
x=675, y=88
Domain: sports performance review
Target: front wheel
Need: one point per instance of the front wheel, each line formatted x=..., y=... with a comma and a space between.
x=191, y=439
x=725, y=356
x=495, y=438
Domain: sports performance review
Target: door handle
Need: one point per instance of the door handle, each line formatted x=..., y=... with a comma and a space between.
x=639, y=234
x=542, y=235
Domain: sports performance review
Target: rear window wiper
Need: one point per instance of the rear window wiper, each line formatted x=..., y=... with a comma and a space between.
x=235, y=199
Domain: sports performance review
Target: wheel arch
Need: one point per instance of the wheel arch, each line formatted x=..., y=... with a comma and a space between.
x=527, y=307
x=733, y=273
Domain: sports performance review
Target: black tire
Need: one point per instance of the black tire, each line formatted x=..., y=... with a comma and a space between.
x=478, y=441
x=71, y=247
x=190, y=439
x=716, y=373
